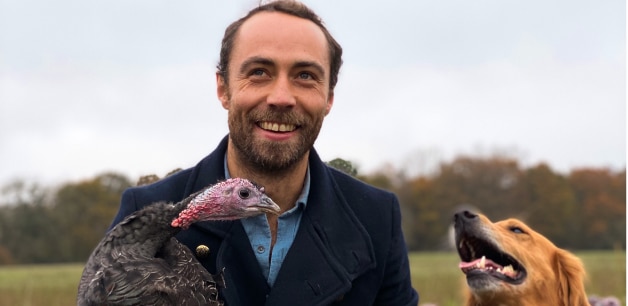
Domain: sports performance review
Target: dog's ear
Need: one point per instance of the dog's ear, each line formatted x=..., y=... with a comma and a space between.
x=570, y=275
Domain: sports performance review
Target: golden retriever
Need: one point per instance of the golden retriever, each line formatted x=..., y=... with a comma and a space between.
x=507, y=263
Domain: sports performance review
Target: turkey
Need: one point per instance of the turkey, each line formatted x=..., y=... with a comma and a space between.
x=139, y=262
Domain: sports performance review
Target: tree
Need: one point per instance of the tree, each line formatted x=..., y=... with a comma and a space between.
x=551, y=207
x=83, y=211
x=422, y=226
x=25, y=230
x=344, y=166
x=602, y=196
x=490, y=184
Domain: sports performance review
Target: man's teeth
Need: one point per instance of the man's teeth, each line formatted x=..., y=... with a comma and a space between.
x=276, y=127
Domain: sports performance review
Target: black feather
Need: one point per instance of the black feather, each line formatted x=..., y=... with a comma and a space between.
x=139, y=262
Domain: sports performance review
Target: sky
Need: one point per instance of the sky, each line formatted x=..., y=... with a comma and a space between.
x=88, y=87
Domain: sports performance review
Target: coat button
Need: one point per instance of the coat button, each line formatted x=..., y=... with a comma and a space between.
x=202, y=251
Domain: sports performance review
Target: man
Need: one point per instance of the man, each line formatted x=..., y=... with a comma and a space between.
x=338, y=241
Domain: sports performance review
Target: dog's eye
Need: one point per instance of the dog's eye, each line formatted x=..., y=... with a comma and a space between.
x=516, y=230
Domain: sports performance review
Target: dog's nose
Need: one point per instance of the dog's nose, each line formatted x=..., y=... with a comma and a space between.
x=464, y=216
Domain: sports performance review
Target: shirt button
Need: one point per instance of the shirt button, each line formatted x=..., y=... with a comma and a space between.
x=260, y=249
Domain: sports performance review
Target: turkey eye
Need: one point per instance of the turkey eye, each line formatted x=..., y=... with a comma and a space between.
x=244, y=193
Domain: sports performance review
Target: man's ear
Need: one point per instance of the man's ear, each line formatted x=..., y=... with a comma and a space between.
x=330, y=103
x=222, y=91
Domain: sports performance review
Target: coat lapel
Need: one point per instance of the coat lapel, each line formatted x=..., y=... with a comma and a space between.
x=330, y=250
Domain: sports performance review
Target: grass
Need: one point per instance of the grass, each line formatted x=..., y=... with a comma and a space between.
x=435, y=275
x=33, y=285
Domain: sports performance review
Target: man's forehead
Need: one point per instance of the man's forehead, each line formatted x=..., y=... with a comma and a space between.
x=266, y=33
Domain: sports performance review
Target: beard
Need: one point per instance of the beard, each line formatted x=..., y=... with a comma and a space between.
x=263, y=155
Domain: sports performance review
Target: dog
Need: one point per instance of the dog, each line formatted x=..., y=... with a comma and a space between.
x=507, y=263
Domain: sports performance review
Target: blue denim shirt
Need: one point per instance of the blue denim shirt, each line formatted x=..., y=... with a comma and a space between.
x=258, y=230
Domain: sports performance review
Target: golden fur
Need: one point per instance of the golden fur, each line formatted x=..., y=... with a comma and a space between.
x=542, y=273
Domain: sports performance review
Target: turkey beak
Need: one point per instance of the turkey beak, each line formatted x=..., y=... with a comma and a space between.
x=266, y=204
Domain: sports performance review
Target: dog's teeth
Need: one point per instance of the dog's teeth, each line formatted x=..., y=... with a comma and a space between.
x=508, y=269
x=483, y=262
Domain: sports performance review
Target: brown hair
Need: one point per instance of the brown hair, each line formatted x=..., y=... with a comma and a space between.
x=289, y=7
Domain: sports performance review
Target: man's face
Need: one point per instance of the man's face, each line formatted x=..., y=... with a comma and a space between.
x=278, y=89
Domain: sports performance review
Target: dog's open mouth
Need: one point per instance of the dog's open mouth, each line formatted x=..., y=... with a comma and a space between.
x=481, y=258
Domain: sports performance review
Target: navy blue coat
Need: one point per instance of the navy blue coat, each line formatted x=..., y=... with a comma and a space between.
x=349, y=248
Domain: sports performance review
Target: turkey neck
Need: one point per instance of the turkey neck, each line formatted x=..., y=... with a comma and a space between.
x=149, y=228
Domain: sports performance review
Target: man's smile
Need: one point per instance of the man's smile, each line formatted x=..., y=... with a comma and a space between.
x=277, y=127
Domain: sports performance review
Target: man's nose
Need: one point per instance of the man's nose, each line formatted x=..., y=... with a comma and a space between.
x=282, y=93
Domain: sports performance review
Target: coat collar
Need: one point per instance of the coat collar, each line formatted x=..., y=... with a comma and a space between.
x=331, y=247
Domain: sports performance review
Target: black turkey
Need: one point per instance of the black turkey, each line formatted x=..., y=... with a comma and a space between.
x=139, y=262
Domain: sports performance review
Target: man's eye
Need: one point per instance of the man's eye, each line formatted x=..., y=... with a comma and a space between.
x=305, y=76
x=257, y=72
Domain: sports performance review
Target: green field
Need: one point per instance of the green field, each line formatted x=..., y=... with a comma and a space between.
x=435, y=275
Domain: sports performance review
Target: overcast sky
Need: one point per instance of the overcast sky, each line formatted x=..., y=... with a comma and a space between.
x=90, y=86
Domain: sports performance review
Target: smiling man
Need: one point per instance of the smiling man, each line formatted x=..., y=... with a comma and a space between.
x=337, y=240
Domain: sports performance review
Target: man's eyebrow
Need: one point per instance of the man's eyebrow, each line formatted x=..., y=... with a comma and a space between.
x=311, y=64
x=268, y=62
x=255, y=60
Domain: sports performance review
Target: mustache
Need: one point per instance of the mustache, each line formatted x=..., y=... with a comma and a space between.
x=289, y=117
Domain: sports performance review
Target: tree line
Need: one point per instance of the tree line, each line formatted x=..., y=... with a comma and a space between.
x=584, y=209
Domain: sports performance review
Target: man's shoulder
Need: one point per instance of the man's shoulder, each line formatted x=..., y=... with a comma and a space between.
x=375, y=208
x=352, y=186
x=170, y=189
